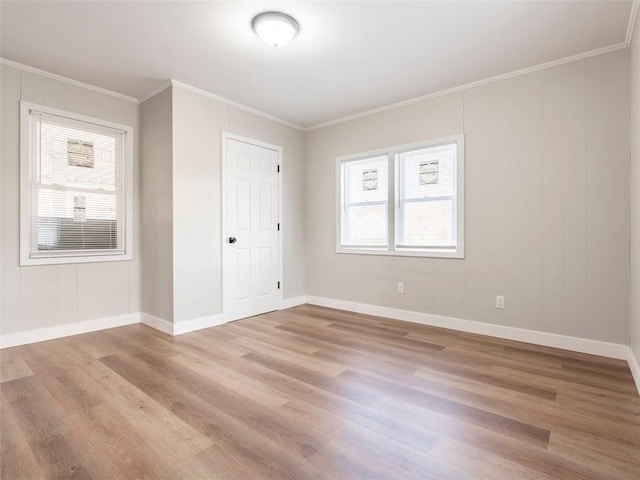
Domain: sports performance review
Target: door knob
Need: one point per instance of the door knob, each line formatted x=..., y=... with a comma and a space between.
x=233, y=239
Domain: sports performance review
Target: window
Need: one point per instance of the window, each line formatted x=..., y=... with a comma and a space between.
x=365, y=199
x=405, y=200
x=76, y=188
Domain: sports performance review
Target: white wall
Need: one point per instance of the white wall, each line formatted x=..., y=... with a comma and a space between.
x=547, y=204
x=635, y=195
x=198, y=122
x=46, y=296
x=156, y=205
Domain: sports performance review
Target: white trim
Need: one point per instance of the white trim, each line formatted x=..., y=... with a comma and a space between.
x=612, y=350
x=223, y=190
x=634, y=366
x=633, y=17
x=252, y=141
x=293, y=302
x=152, y=93
x=466, y=86
x=593, y=347
x=181, y=328
x=67, y=330
x=187, y=326
x=240, y=106
x=156, y=91
x=158, y=323
x=25, y=191
x=55, y=76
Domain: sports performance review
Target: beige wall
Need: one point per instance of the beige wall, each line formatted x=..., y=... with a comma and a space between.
x=156, y=204
x=198, y=123
x=547, y=208
x=635, y=194
x=179, y=190
x=45, y=296
x=547, y=204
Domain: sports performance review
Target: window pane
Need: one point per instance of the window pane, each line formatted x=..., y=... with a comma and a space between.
x=367, y=226
x=426, y=193
x=69, y=220
x=66, y=203
x=429, y=172
x=365, y=187
x=367, y=180
x=428, y=224
x=75, y=158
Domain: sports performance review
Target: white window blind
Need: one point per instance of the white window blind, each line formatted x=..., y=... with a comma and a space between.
x=77, y=196
x=426, y=216
x=365, y=193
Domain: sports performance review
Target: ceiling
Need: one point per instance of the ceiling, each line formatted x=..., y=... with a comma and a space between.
x=350, y=57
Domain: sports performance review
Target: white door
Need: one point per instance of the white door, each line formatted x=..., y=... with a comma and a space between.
x=251, y=256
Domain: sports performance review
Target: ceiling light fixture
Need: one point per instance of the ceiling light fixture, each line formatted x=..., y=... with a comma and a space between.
x=275, y=28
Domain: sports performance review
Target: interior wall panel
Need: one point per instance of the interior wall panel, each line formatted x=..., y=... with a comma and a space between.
x=50, y=295
x=538, y=147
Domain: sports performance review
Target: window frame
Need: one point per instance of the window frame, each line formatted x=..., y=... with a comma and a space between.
x=393, y=201
x=75, y=256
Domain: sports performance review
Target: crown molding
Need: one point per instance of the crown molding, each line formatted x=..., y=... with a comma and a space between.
x=635, y=8
x=467, y=86
x=218, y=98
x=155, y=91
x=231, y=103
x=55, y=76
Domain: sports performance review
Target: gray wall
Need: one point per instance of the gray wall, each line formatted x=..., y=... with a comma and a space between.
x=547, y=204
x=635, y=194
x=50, y=295
x=156, y=203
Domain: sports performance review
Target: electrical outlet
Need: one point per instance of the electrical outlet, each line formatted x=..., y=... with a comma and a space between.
x=499, y=301
x=400, y=287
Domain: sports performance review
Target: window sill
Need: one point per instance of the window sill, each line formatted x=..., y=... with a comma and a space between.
x=459, y=254
x=62, y=259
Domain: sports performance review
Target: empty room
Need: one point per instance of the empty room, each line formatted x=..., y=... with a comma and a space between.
x=320, y=240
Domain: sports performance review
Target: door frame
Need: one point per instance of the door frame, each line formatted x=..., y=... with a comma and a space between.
x=223, y=192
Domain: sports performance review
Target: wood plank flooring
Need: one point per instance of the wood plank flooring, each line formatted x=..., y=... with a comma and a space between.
x=314, y=393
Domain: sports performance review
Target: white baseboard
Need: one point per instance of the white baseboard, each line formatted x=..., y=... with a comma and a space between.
x=158, y=323
x=181, y=327
x=77, y=328
x=594, y=347
x=197, y=324
x=67, y=330
x=634, y=365
x=293, y=302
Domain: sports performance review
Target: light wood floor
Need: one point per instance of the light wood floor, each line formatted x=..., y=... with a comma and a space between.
x=312, y=393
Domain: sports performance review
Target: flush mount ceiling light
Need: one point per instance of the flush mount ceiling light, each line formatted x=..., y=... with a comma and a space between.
x=275, y=28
